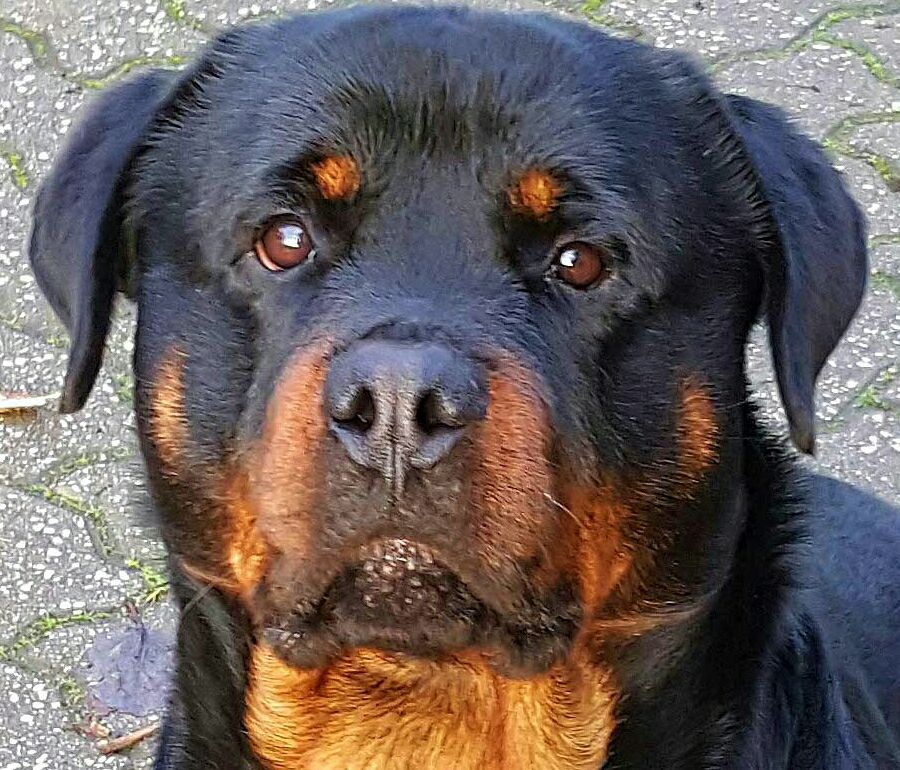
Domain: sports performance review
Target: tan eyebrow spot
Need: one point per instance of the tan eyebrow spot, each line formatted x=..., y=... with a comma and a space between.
x=337, y=177
x=535, y=194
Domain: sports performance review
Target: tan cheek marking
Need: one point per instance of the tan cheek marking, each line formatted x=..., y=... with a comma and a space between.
x=247, y=551
x=226, y=532
x=267, y=494
x=698, y=432
x=592, y=536
x=697, y=451
x=337, y=177
x=535, y=194
x=375, y=711
x=286, y=478
x=513, y=474
x=168, y=421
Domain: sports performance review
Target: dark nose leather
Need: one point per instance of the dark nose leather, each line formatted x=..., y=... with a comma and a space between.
x=401, y=405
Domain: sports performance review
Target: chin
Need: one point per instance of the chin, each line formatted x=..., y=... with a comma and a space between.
x=399, y=596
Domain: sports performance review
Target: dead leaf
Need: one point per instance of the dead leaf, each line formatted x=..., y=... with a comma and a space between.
x=131, y=670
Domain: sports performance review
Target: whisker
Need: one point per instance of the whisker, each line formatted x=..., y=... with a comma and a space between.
x=563, y=508
x=196, y=599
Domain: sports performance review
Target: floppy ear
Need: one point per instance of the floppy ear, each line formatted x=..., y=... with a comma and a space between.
x=77, y=244
x=816, y=266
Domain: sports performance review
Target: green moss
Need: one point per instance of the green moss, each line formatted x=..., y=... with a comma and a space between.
x=156, y=585
x=834, y=425
x=92, y=514
x=73, y=463
x=886, y=170
x=37, y=43
x=124, y=388
x=869, y=399
x=817, y=31
x=592, y=10
x=886, y=281
x=177, y=11
x=844, y=128
x=57, y=341
x=45, y=625
x=848, y=12
x=838, y=141
x=72, y=692
x=124, y=68
x=16, y=168
x=872, y=396
x=869, y=58
x=884, y=239
x=592, y=7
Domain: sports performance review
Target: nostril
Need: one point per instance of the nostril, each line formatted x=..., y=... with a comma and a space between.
x=359, y=413
x=440, y=428
x=432, y=414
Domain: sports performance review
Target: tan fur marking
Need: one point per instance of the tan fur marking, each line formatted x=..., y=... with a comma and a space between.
x=698, y=432
x=536, y=193
x=264, y=495
x=337, y=176
x=286, y=478
x=513, y=474
x=596, y=542
x=168, y=422
x=376, y=711
x=246, y=549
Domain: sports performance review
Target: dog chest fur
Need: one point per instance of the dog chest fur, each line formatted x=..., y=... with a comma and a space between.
x=379, y=711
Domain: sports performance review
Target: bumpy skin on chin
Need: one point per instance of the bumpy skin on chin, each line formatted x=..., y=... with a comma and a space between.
x=432, y=499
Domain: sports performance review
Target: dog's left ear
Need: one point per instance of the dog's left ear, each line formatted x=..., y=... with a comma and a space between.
x=815, y=256
x=77, y=250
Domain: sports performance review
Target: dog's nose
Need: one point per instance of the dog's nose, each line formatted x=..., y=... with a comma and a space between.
x=398, y=405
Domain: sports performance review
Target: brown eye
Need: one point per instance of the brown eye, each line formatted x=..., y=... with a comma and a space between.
x=581, y=265
x=283, y=245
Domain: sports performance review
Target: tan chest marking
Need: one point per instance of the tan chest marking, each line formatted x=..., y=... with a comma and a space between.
x=374, y=711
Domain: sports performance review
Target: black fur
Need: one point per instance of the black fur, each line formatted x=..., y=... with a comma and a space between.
x=711, y=208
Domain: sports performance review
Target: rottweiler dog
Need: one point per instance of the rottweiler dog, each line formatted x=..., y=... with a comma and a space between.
x=442, y=391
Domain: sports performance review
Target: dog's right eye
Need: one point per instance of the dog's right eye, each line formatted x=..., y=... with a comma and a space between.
x=283, y=245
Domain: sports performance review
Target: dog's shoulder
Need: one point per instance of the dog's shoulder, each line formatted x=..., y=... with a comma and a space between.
x=856, y=539
x=855, y=575
x=851, y=597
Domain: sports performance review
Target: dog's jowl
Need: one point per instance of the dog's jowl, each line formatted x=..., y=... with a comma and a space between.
x=441, y=389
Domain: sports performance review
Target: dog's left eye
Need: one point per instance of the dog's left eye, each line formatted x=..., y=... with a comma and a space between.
x=581, y=265
x=284, y=244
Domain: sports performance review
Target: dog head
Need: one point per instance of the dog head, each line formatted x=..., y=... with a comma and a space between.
x=441, y=319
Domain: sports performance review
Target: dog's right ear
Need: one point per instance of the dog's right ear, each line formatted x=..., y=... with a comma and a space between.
x=77, y=250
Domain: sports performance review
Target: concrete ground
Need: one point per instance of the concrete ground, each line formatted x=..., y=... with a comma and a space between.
x=80, y=566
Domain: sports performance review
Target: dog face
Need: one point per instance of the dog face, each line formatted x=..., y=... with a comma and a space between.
x=441, y=320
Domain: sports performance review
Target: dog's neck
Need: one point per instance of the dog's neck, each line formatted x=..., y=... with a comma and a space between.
x=712, y=679
x=376, y=711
